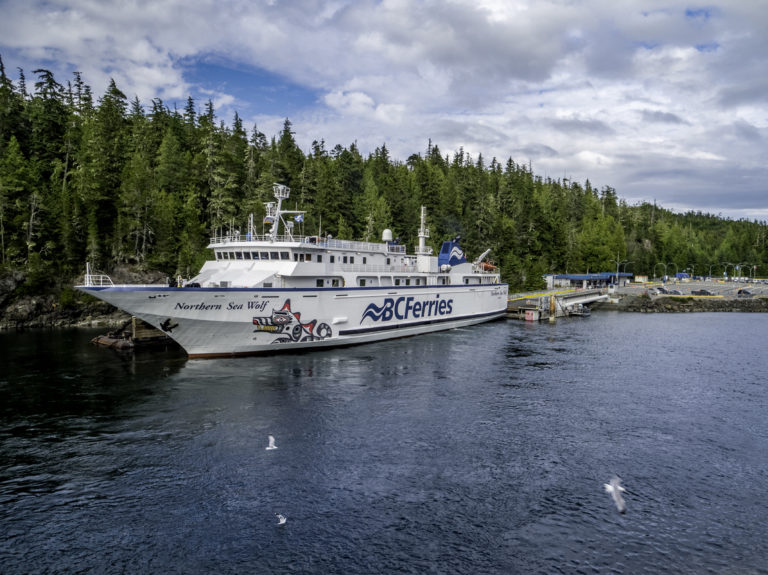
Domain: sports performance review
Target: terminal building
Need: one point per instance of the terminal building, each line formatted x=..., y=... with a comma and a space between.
x=587, y=281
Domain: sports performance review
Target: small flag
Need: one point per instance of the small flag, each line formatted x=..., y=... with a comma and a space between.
x=269, y=220
x=298, y=218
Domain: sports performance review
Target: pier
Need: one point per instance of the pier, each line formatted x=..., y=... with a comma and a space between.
x=134, y=333
x=553, y=304
x=648, y=297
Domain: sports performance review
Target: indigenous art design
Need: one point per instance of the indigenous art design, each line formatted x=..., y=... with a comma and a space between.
x=288, y=325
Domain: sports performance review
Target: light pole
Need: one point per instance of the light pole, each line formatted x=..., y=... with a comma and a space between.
x=618, y=263
x=674, y=264
x=725, y=269
x=625, y=264
x=660, y=264
x=748, y=266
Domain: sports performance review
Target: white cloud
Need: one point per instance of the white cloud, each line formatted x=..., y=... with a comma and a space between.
x=355, y=103
x=639, y=95
x=591, y=159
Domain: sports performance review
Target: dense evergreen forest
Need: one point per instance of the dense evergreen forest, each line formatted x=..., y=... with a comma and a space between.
x=108, y=181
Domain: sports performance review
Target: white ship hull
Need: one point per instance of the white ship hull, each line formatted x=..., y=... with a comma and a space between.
x=218, y=322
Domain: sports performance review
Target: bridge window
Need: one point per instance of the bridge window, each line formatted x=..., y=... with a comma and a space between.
x=351, y=259
x=319, y=283
x=362, y=282
x=246, y=255
x=308, y=257
x=239, y=255
x=285, y=255
x=274, y=256
x=319, y=258
x=265, y=255
x=255, y=255
x=345, y=259
x=333, y=259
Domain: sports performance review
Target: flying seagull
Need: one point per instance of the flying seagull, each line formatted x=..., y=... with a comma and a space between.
x=280, y=519
x=271, y=442
x=615, y=489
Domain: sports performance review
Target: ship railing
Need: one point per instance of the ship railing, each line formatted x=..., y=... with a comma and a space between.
x=97, y=280
x=485, y=269
x=365, y=268
x=350, y=245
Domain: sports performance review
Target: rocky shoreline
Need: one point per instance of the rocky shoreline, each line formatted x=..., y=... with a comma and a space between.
x=687, y=304
x=46, y=312
x=62, y=305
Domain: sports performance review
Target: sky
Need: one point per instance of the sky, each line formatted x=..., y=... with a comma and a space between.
x=663, y=101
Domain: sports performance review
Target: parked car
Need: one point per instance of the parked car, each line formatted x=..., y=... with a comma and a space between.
x=675, y=292
x=701, y=292
x=744, y=293
x=661, y=289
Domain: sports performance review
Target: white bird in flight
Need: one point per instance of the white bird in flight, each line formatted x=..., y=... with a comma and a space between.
x=271, y=442
x=280, y=519
x=615, y=489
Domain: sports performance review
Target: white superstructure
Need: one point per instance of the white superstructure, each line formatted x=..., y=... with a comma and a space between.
x=280, y=291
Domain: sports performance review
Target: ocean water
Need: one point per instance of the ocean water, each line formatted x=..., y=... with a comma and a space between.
x=477, y=450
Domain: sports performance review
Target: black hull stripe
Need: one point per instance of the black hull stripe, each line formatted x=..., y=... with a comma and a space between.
x=391, y=327
x=273, y=290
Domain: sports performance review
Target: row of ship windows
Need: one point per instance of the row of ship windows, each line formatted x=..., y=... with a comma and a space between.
x=253, y=255
x=362, y=282
x=286, y=256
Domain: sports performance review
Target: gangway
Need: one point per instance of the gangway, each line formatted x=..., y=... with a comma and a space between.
x=550, y=305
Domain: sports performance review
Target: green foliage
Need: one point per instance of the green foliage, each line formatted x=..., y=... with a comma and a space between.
x=112, y=183
x=68, y=298
x=39, y=275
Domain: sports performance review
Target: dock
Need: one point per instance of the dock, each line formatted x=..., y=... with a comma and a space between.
x=553, y=304
x=135, y=333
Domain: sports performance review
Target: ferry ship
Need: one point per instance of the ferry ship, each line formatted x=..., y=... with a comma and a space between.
x=279, y=291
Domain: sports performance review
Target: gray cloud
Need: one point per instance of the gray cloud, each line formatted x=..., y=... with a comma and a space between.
x=752, y=93
x=661, y=117
x=660, y=100
x=537, y=151
x=576, y=126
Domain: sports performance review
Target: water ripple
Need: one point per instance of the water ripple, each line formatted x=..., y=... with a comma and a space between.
x=481, y=450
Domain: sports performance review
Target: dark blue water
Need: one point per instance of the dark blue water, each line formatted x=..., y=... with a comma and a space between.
x=480, y=450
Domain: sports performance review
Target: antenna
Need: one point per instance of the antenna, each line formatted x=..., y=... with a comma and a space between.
x=423, y=250
x=274, y=212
